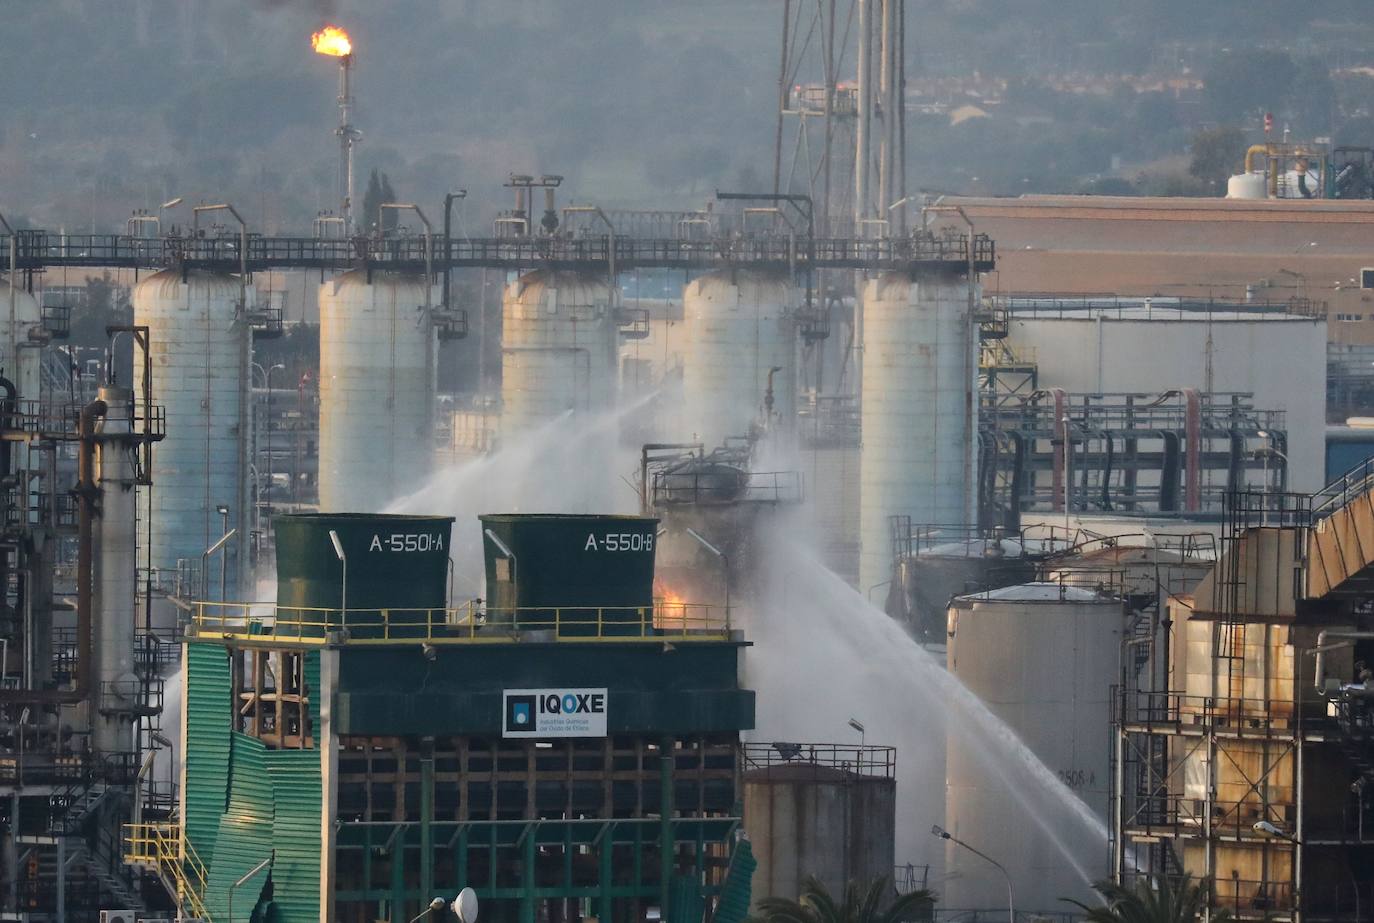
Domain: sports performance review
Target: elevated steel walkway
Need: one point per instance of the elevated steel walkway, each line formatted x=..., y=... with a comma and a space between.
x=1340, y=546
x=37, y=250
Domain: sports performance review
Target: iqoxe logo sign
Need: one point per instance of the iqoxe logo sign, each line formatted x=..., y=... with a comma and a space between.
x=554, y=713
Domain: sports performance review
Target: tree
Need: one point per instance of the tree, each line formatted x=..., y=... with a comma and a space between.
x=1153, y=900
x=1217, y=153
x=1243, y=82
x=876, y=902
x=379, y=192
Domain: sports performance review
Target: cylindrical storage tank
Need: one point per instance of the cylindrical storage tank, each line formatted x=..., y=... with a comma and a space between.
x=579, y=575
x=1043, y=659
x=559, y=349
x=377, y=367
x=21, y=320
x=740, y=340
x=116, y=574
x=919, y=411
x=1247, y=186
x=825, y=811
x=199, y=347
x=933, y=576
x=396, y=563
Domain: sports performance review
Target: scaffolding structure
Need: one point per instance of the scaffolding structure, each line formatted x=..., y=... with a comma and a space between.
x=1234, y=762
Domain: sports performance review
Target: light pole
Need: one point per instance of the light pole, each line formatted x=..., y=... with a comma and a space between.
x=205, y=565
x=436, y=904
x=944, y=834
x=223, y=511
x=725, y=566
x=343, y=588
x=858, y=726
x=1269, y=450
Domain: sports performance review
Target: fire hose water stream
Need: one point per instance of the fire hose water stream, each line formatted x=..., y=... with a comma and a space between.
x=821, y=653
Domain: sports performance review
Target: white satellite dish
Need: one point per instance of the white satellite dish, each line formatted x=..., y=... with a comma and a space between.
x=465, y=906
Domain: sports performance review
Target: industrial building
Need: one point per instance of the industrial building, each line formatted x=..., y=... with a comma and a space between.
x=377, y=743
x=1076, y=448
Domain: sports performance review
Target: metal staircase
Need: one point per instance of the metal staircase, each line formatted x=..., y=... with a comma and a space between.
x=161, y=850
x=1341, y=544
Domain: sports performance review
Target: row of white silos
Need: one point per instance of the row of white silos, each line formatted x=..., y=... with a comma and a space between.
x=377, y=365
x=560, y=351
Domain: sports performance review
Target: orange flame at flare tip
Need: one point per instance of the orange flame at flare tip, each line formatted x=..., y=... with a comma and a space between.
x=332, y=40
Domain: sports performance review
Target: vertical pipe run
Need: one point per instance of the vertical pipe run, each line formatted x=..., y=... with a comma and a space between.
x=347, y=135
x=885, y=101
x=665, y=834
x=1193, y=453
x=427, y=819
x=782, y=98
x=865, y=121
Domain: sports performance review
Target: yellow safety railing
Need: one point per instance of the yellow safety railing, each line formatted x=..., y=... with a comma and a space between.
x=471, y=623
x=161, y=847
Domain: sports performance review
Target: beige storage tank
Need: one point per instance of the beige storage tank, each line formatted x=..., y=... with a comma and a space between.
x=377, y=356
x=819, y=809
x=1043, y=659
x=740, y=344
x=559, y=349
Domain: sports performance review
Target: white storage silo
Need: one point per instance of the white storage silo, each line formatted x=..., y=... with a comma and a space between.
x=919, y=411
x=199, y=344
x=740, y=338
x=20, y=323
x=559, y=344
x=1042, y=658
x=377, y=367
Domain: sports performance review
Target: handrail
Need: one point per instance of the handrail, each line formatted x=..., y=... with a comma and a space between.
x=41, y=248
x=162, y=846
x=665, y=620
x=1338, y=494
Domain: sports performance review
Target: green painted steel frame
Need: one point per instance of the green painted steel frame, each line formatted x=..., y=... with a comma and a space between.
x=522, y=839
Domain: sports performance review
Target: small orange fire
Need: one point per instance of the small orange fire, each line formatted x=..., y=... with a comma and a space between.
x=332, y=40
x=670, y=609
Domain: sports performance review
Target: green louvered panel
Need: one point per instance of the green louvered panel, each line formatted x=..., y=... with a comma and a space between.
x=245, y=833
x=295, y=776
x=312, y=682
x=208, y=716
x=733, y=906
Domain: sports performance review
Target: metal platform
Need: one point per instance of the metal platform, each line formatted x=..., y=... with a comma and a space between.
x=38, y=250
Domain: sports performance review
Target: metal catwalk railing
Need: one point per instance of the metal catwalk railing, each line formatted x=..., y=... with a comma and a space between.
x=665, y=620
x=38, y=249
x=160, y=848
